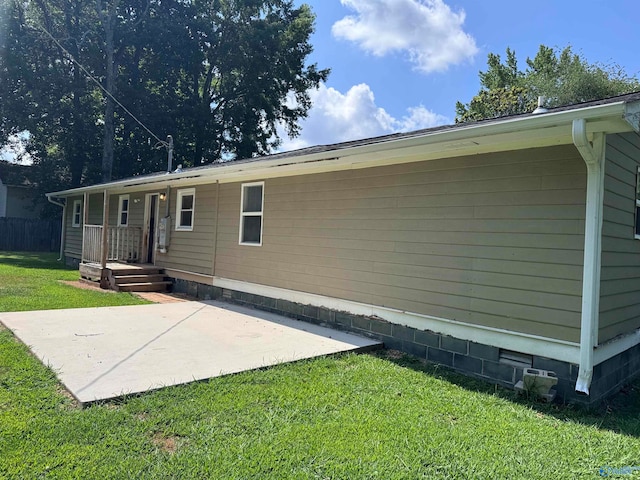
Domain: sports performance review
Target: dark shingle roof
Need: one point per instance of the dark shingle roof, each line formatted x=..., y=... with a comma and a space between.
x=14, y=174
x=390, y=137
x=394, y=136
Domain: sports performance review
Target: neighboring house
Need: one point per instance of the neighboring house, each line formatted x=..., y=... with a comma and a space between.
x=16, y=195
x=487, y=247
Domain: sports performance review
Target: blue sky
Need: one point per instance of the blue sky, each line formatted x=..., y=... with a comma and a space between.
x=401, y=65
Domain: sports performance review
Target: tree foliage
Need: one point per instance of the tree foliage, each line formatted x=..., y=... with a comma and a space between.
x=42, y=92
x=218, y=75
x=562, y=77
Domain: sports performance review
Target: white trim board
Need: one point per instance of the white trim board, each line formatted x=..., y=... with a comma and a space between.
x=520, y=342
x=531, y=344
x=615, y=347
x=552, y=128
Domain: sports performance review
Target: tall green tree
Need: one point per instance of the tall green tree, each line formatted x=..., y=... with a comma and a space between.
x=561, y=76
x=43, y=92
x=215, y=74
x=253, y=56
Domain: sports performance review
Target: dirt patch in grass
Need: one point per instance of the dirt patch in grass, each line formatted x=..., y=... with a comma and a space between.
x=168, y=444
x=392, y=354
x=85, y=285
x=153, y=297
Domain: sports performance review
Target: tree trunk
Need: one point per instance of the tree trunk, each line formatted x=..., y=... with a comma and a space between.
x=77, y=159
x=108, y=22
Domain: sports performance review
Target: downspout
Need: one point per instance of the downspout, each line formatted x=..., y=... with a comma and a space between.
x=64, y=216
x=593, y=156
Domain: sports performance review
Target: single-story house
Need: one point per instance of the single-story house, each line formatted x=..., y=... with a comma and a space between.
x=488, y=247
x=16, y=195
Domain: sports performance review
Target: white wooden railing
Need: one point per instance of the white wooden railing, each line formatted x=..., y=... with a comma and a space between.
x=91, y=244
x=123, y=244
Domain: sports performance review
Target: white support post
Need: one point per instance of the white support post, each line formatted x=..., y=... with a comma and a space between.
x=85, y=222
x=104, y=283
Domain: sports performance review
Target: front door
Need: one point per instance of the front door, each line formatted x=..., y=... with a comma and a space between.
x=150, y=227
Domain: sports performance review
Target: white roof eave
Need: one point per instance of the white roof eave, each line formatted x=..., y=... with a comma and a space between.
x=513, y=133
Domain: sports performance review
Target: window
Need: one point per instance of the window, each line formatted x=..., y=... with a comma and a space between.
x=637, y=226
x=123, y=211
x=251, y=202
x=185, y=209
x=76, y=219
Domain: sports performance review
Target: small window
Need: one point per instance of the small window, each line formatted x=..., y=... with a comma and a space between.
x=637, y=226
x=251, y=203
x=76, y=219
x=185, y=206
x=123, y=211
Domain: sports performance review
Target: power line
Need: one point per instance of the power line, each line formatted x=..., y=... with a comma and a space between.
x=162, y=142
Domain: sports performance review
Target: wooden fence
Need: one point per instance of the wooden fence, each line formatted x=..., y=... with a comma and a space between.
x=29, y=235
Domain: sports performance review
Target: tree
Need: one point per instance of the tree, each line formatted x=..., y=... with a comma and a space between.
x=252, y=58
x=562, y=77
x=42, y=91
x=107, y=13
x=216, y=74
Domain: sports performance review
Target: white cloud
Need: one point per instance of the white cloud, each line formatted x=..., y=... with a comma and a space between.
x=339, y=117
x=428, y=31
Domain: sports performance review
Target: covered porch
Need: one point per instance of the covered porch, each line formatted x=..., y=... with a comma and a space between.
x=120, y=257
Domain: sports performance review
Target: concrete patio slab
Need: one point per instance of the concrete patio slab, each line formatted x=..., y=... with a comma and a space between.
x=104, y=353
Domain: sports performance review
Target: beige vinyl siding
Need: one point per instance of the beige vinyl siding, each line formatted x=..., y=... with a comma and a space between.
x=192, y=251
x=493, y=239
x=136, y=209
x=73, y=240
x=620, y=277
x=73, y=235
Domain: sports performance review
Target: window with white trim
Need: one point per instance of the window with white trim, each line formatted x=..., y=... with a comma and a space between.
x=251, y=204
x=123, y=211
x=185, y=209
x=637, y=225
x=76, y=215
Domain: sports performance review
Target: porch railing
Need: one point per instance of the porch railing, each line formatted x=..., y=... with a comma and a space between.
x=123, y=244
x=91, y=244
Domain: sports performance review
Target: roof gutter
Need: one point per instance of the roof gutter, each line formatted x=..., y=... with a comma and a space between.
x=372, y=149
x=593, y=154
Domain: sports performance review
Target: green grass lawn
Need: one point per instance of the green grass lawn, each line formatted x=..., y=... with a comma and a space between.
x=348, y=416
x=31, y=281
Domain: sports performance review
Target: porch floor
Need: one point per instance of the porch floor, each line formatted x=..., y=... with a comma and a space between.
x=123, y=266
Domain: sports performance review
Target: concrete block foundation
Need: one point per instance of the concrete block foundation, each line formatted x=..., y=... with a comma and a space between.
x=464, y=356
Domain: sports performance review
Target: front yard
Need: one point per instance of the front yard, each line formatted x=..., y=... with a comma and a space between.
x=352, y=416
x=33, y=281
